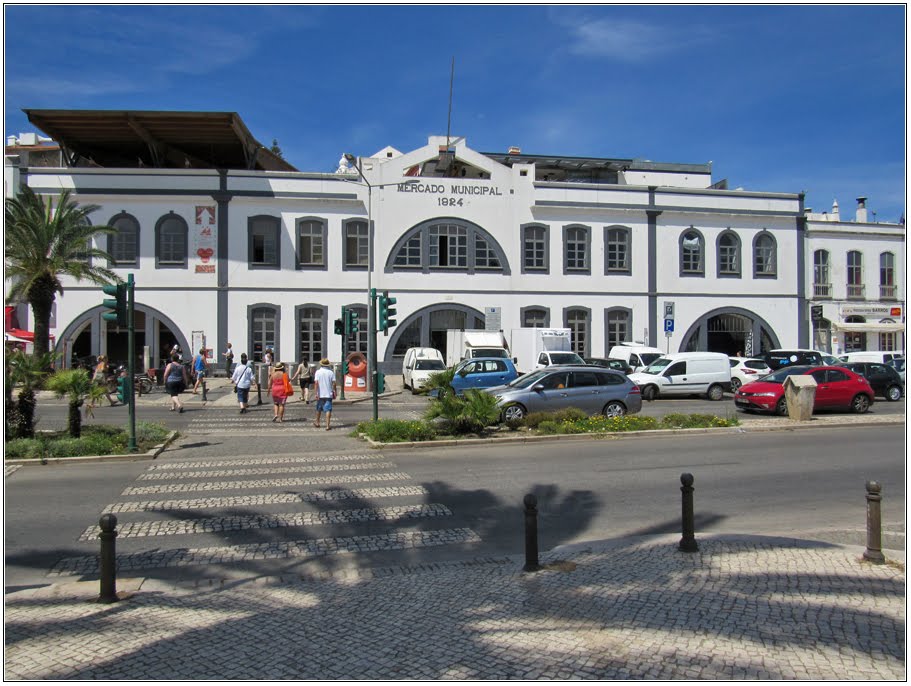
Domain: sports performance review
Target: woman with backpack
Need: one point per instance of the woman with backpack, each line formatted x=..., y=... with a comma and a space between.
x=175, y=381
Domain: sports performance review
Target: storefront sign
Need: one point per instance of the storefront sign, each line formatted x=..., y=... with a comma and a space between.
x=449, y=194
x=870, y=311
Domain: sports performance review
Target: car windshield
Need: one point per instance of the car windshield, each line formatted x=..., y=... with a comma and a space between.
x=566, y=358
x=784, y=373
x=528, y=380
x=657, y=366
x=429, y=364
x=898, y=363
x=649, y=358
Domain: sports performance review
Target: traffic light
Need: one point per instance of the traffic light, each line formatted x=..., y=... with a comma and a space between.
x=339, y=327
x=352, y=325
x=122, y=392
x=344, y=367
x=380, y=382
x=118, y=304
x=387, y=312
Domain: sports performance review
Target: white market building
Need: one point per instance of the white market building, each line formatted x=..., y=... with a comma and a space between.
x=228, y=242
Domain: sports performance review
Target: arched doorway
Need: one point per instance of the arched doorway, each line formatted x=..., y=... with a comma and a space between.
x=730, y=330
x=427, y=328
x=89, y=335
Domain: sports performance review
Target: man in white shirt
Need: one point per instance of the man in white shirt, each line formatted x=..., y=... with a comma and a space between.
x=324, y=381
x=242, y=379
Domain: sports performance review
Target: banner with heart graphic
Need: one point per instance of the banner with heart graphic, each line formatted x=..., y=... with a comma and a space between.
x=204, y=242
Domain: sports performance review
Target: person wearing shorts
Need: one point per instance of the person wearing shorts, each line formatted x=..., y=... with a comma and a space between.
x=242, y=380
x=277, y=381
x=200, y=369
x=175, y=381
x=324, y=381
x=304, y=375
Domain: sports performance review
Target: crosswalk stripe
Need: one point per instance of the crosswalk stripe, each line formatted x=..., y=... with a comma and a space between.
x=265, y=483
x=180, y=527
x=319, y=547
x=164, y=476
x=265, y=499
x=247, y=461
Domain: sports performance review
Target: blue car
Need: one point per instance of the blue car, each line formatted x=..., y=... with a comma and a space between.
x=483, y=372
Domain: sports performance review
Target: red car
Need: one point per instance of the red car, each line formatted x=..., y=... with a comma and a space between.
x=837, y=388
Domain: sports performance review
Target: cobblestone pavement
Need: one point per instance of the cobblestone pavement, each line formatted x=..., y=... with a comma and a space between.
x=740, y=608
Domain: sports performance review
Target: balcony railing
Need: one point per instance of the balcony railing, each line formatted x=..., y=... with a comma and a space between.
x=822, y=290
x=887, y=292
x=855, y=292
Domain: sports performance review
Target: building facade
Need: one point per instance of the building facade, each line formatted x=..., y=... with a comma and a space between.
x=266, y=258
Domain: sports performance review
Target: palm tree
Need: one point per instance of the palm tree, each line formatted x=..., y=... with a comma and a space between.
x=77, y=386
x=44, y=243
x=26, y=372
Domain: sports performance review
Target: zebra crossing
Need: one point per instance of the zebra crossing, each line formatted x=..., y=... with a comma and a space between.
x=259, y=421
x=246, y=509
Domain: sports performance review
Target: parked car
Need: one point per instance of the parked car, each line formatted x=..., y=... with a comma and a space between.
x=837, y=388
x=610, y=363
x=885, y=380
x=881, y=356
x=747, y=369
x=831, y=361
x=637, y=355
x=593, y=390
x=682, y=374
x=420, y=363
x=898, y=363
x=483, y=372
x=782, y=357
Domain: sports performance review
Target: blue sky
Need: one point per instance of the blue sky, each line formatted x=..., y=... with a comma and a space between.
x=779, y=98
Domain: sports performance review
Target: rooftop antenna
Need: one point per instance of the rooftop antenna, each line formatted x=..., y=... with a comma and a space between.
x=449, y=115
x=447, y=155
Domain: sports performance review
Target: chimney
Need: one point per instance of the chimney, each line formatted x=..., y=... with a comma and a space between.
x=514, y=150
x=835, y=210
x=861, y=210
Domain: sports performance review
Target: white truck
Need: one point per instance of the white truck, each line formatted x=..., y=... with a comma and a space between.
x=462, y=344
x=536, y=348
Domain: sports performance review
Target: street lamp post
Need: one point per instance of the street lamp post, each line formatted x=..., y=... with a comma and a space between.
x=371, y=309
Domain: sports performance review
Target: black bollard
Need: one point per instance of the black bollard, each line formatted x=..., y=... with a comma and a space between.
x=204, y=389
x=874, y=552
x=531, y=534
x=108, y=523
x=688, y=542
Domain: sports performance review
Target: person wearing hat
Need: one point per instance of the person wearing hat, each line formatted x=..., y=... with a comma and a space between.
x=324, y=381
x=242, y=379
x=280, y=385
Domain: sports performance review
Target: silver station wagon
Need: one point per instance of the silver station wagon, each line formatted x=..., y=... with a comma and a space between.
x=591, y=389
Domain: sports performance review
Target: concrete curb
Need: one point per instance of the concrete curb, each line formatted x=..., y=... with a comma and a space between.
x=131, y=457
x=621, y=434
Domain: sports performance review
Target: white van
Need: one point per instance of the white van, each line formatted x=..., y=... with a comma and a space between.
x=636, y=355
x=419, y=363
x=880, y=356
x=679, y=374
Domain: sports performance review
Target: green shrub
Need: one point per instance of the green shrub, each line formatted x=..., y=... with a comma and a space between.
x=25, y=448
x=569, y=414
x=151, y=433
x=396, y=431
x=469, y=414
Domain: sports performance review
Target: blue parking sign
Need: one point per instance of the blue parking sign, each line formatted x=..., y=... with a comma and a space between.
x=669, y=325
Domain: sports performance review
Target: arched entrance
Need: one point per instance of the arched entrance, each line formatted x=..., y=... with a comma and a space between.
x=730, y=330
x=89, y=335
x=427, y=328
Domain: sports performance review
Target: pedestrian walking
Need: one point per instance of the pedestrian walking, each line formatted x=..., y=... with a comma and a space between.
x=324, y=379
x=229, y=360
x=242, y=379
x=281, y=388
x=200, y=369
x=304, y=375
x=175, y=381
x=100, y=377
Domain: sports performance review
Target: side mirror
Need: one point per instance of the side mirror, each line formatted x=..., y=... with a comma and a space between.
x=538, y=387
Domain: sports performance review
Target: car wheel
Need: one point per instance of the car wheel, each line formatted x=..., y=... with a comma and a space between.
x=781, y=408
x=893, y=393
x=860, y=404
x=716, y=392
x=404, y=383
x=735, y=384
x=614, y=409
x=513, y=413
x=649, y=393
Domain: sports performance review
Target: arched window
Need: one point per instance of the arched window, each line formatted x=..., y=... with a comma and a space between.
x=765, y=257
x=263, y=320
x=171, y=233
x=356, y=244
x=535, y=317
x=619, y=327
x=123, y=246
x=887, y=289
x=822, y=286
x=617, y=250
x=576, y=250
x=535, y=248
x=855, y=275
x=447, y=245
x=311, y=243
x=311, y=333
x=692, y=253
x=264, y=242
x=729, y=254
x=578, y=321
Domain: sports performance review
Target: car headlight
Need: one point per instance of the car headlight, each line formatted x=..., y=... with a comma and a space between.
x=764, y=395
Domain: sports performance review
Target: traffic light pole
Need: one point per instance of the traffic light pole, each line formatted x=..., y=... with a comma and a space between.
x=131, y=363
x=371, y=316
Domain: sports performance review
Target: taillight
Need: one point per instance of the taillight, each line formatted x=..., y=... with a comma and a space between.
x=635, y=389
x=750, y=371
